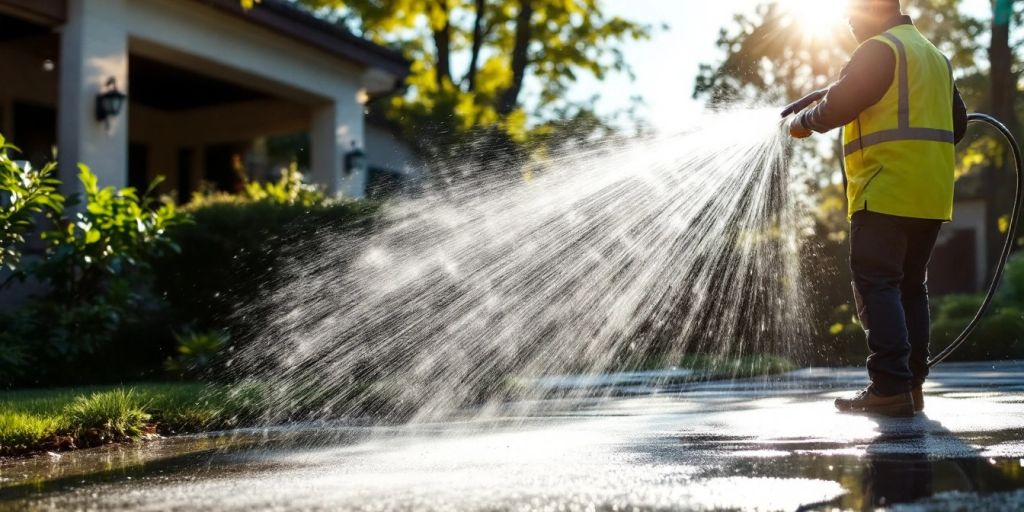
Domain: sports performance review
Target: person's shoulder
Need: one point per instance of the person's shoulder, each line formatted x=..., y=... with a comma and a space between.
x=872, y=52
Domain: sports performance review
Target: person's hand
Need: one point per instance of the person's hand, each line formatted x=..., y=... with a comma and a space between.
x=797, y=128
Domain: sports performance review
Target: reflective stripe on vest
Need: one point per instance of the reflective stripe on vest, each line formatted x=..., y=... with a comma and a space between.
x=904, y=131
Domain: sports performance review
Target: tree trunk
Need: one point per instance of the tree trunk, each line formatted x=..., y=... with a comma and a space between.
x=520, y=57
x=442, y=42
x=478, y=44
x=1004, y=79
x=1003, y=94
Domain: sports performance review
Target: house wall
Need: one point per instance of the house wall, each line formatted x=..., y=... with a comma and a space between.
x=969, y=215
x=100, y=33
x=165, y=133
x=385, y=150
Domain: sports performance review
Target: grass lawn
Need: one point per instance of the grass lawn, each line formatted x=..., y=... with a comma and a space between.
x=38, y=419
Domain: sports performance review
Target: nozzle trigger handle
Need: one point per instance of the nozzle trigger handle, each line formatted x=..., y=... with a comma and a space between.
x=802, y=103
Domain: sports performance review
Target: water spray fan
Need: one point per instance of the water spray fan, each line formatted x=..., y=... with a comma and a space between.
x=1011, y=232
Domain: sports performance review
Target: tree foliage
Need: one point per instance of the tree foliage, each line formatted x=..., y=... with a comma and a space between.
x=471, y=59
x=767, y=56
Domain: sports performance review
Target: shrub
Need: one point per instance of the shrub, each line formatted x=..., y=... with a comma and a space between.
x=14, y=355
x=115, y=415
x=956, y=307
x=197, y=353
x=1011, y=291
x=290, y=189
x=119, y=231
x=1000, y=335
x=91, y=269
x=233, y=248
x=24, y=194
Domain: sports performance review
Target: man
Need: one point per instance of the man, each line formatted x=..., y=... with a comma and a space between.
x=903, y=116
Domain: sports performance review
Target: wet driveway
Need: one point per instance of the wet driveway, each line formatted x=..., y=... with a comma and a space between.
x=750, y=445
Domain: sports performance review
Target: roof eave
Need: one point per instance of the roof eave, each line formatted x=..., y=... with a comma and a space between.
x=292, y=22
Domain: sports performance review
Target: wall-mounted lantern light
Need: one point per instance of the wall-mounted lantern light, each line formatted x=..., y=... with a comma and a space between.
x=355, y=161
x=109, y=102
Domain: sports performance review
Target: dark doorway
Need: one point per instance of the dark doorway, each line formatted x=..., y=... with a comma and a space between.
x=138, y=166
x=953, y=267
x=35, y=133
x=185, y=181
x=223, y=165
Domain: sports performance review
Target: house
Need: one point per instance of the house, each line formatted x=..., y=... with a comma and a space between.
x=968, y=248
x=209, y=87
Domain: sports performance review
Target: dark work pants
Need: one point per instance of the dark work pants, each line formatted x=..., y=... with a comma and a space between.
x=889, y=259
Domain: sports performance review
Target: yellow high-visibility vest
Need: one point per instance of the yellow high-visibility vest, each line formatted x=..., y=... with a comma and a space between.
x=900, y=152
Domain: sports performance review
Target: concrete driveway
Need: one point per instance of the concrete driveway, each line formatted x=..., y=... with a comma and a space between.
x=760, y=444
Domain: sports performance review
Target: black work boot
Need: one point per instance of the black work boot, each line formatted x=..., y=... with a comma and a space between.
x=867, y=401
x=918, y=393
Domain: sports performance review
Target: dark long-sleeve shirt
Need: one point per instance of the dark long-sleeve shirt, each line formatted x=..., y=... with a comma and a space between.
x=864, y=82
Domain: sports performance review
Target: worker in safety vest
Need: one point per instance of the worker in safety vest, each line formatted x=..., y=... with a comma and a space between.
x=903, y=117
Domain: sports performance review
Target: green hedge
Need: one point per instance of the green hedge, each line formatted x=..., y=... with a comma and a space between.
x=1000, y=335
x=233, y=248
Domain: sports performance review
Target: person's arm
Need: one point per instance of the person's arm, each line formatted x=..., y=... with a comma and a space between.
x=959, y=116
x=862, y=83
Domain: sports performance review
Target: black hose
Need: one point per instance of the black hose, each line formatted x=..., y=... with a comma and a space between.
x=1011, y=233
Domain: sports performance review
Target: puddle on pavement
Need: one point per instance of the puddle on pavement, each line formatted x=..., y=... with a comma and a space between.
x=880, y=480
x=871, y=476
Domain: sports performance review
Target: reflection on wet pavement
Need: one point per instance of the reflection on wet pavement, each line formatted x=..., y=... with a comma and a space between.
x=755, y=444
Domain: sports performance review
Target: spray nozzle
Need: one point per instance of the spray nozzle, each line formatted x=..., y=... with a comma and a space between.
x=802, y=103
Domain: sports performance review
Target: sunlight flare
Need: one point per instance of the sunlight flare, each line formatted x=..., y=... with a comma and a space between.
x=817, y=18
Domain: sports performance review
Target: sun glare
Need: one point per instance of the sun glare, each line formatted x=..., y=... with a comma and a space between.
x=818, y=18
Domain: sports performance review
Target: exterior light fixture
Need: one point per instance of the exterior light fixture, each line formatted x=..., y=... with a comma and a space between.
x=355, y=161
x=109, y=102
x=362, y=97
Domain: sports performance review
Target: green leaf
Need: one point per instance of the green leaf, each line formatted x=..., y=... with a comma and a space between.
x=88, y=179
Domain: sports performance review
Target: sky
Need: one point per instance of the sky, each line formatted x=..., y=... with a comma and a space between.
x=666, y=66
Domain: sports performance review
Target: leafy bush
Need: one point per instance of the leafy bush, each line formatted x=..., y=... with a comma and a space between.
x=24, y=194
x=955, y=307
x=119, y=231
x=1011, y=291
x=91, y=271
x=233, y=248
x=290, y=189
x=197, y=353
x=1000, y=335
x=117, y=415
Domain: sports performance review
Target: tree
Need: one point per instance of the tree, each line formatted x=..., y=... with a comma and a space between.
x=499, y=45
x=769, y=57
x=1004, y=78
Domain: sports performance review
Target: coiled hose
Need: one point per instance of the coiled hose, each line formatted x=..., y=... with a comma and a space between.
x=1011, y=235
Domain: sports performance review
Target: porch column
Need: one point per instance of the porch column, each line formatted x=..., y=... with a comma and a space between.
x=94, y=48
x=334, y=129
